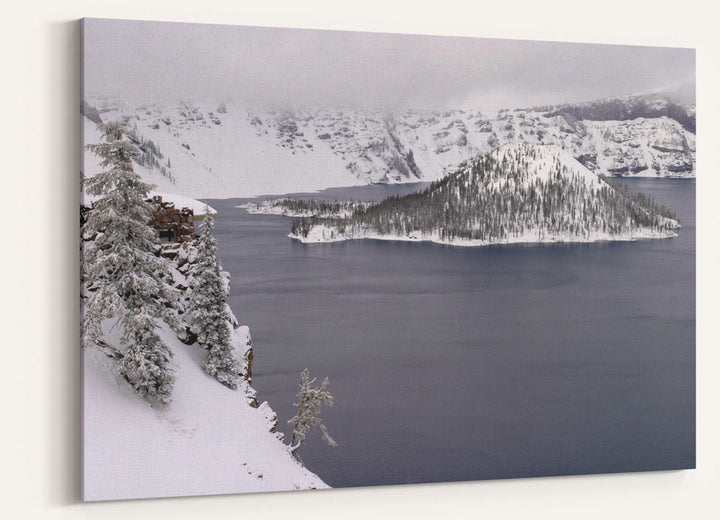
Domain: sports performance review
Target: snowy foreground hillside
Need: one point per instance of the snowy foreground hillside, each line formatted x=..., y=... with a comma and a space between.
x=518, y=193
x=208, y=440
x=221, y=150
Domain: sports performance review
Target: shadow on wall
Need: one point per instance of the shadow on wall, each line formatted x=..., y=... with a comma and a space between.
x=62, y=362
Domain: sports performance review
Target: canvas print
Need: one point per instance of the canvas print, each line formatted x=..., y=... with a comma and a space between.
x=324, y=259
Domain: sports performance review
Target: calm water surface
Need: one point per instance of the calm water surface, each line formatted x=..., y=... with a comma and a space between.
x=452, y=363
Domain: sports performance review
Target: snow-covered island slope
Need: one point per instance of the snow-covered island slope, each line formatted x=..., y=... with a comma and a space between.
x=221, y=150
x=518, y=193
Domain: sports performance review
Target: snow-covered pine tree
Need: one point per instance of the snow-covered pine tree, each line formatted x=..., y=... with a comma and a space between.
x=310, y=401
x=123, y=276
x=206, y=310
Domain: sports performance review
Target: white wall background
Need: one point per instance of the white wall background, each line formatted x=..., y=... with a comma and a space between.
x=39, y=142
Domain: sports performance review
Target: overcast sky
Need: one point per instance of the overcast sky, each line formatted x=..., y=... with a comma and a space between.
x=160, y=61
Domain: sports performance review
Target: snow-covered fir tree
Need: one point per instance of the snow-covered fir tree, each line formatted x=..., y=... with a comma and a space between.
x=123, y=275
x=206, y=310
x=311, y=399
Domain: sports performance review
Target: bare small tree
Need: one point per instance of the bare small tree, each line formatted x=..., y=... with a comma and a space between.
x=310, y=401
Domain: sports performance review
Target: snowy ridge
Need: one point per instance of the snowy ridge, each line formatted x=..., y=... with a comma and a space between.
x=210, y=150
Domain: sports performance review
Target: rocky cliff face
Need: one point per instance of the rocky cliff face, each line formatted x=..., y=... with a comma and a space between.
x=234, y=147
x=627, y=108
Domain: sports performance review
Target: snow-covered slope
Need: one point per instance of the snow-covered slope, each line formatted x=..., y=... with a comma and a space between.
x=229, y=159
x=210, y=150
x=208, y=440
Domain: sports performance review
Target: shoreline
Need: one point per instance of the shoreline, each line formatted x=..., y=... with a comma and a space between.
x=528, y=238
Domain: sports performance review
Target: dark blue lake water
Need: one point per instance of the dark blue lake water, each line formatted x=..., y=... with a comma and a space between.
x=452, y=363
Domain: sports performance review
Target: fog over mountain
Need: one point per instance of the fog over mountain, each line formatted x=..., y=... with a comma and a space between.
x=297, y=68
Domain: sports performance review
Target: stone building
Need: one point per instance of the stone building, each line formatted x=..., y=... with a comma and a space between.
x=173, y=225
